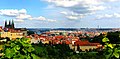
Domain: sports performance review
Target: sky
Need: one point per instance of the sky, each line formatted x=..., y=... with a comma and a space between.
x=61, y=13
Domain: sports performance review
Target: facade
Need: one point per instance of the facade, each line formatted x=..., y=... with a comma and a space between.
x=12, y=34
x=86, y=45
x=83, y=48
x=24, y=30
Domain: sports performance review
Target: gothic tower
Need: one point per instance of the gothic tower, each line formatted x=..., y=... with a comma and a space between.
x=5, y=23
x=9, y=22
x=10, y=25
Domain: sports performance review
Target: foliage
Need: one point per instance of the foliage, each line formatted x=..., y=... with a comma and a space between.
x=18, y=49
x=52, y=51
x=114, y=37
x=98, y=38
x=30, y=32
x=111, y=50
x=62, y=51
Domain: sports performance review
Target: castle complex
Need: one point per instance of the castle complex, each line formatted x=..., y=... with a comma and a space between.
x=9, y=31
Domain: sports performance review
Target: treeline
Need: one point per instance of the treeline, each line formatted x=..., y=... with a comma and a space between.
x=63, y=51
x=114, y=37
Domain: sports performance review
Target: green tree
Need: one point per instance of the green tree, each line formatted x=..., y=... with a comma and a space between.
x=98, y=38
x=111, y=50
x=30, y=32
x=114, y=37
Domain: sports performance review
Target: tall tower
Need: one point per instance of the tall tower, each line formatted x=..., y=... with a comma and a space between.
x=12, y=24
x=9, y=23
x=5, y=23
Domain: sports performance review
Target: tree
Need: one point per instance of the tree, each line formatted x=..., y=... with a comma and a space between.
x=111, y=50
x=113, y=37
x=98, y=38
x=78, y=48
x=30, y=32
x=19, y=49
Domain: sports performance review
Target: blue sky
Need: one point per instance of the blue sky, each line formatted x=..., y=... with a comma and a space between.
x=61, y=13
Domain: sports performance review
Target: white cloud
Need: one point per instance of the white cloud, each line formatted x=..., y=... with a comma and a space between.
x=51, y=20
x=104, y=16
x=9, y=12
x=114, y=15
x=42, y=19
x=70, y=3
x=111, y=0
x=38, y=18
x=21, y=15
x=64, y=12
x=72, y=17
x=108, y=15
x=22, y=11
x=63, y=3
x=80, y=7
x=12, y=12
x=75, y=14
x=94, y=8
x=117, y=15
x=18, y=20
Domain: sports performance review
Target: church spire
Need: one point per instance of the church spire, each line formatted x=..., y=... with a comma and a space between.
x=10, y=25
x=5, y=23
x=13, y=24
x=9, y=22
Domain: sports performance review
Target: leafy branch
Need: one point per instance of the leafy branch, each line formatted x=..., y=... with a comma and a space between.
x=111, y=50
x=19, y=49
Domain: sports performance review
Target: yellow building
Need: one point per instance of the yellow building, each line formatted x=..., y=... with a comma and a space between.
x=11, y=32
x=11, y=35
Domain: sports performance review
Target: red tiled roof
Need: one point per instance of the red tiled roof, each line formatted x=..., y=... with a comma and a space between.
x=29, y=37
x=60, y=37
x=13, y=31
x=67, y=42
x=47, y=33
x=86, y=43
x=69, y=37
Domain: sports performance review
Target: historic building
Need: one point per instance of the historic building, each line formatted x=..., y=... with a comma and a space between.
x=11, y=32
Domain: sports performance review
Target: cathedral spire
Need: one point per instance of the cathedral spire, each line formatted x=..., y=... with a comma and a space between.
x=5, y=23
x=12, y=24
x=9, y=22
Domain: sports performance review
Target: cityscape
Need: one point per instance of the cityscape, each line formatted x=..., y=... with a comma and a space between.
x=78, y=40
x=60, y=29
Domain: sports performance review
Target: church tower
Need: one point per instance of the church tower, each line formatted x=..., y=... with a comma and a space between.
x=5, y=23
x=9, y=22
x=12, y=24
